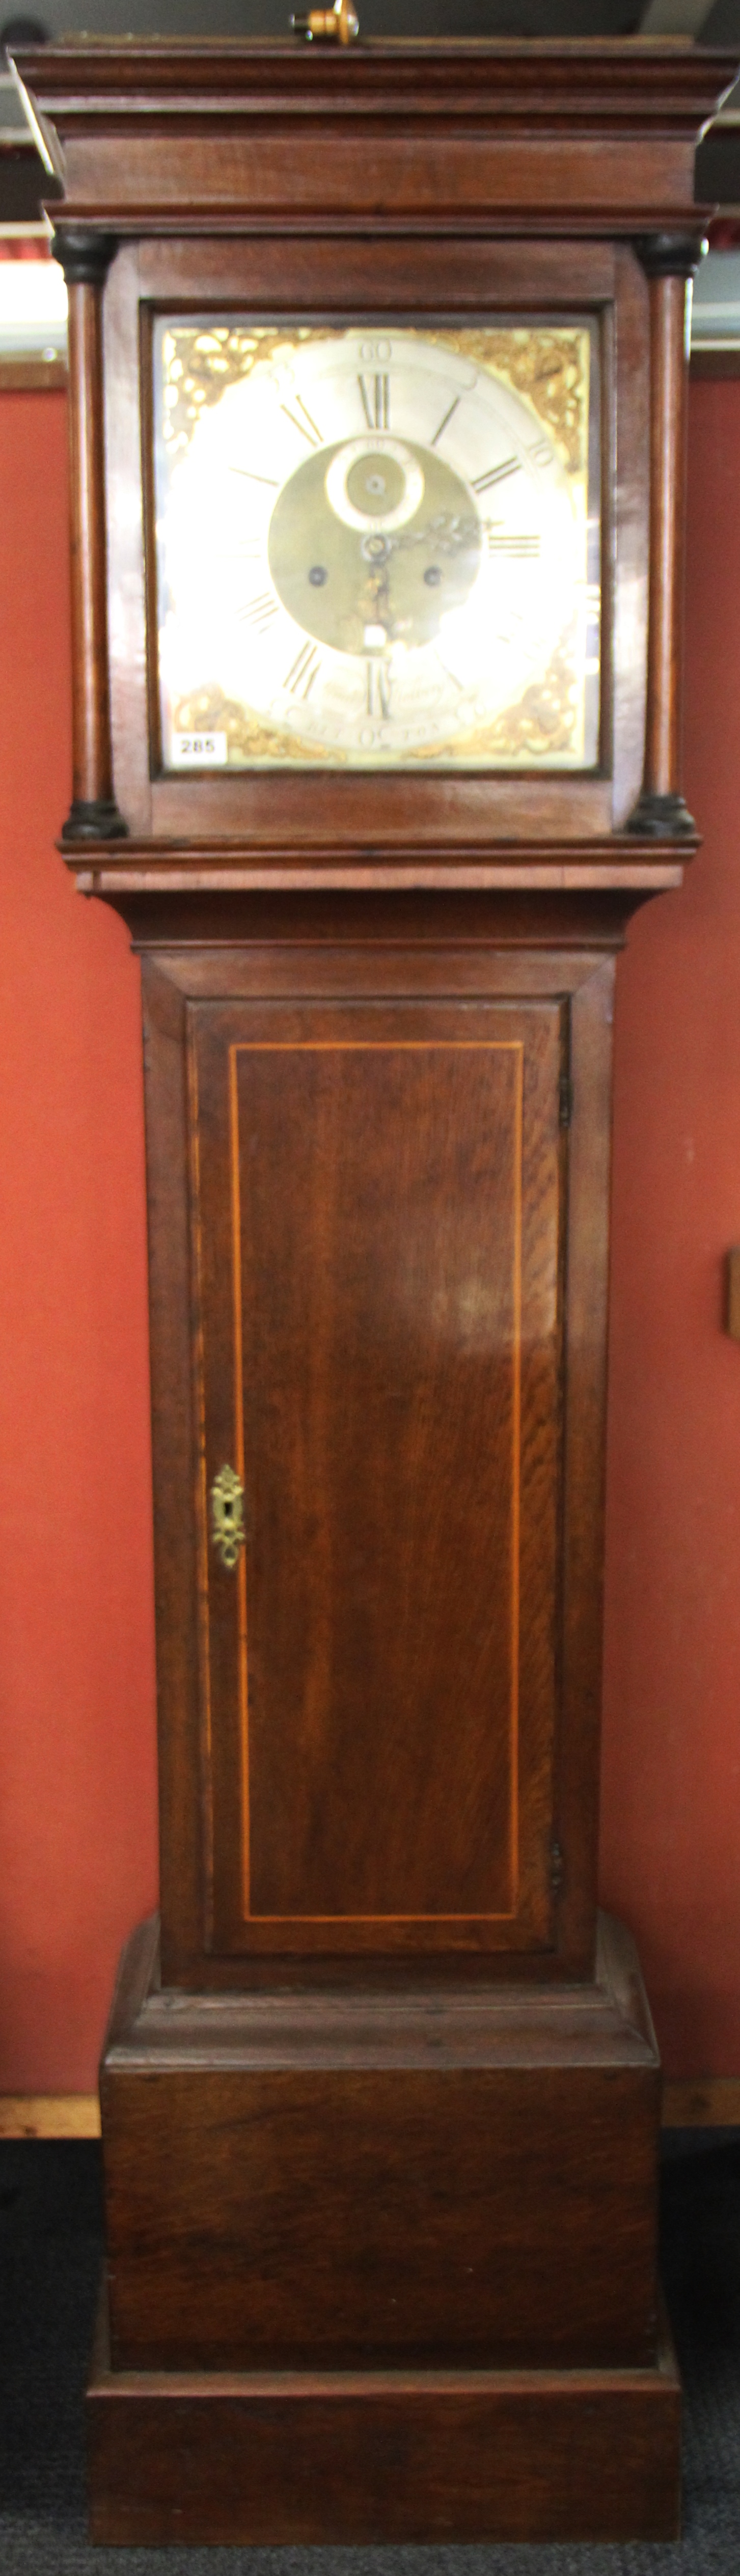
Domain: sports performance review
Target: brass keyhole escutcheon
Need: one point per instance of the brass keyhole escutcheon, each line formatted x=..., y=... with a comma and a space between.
x=227, y=1517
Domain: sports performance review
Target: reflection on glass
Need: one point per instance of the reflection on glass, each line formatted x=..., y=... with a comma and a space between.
x=376, y=546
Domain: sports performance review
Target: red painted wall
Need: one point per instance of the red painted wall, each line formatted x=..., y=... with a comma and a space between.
x=77, y=1767
x=77, y=1770
x=671, y=1807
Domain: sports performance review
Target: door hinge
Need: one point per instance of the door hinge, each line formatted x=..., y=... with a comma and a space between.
x=566, y=1100
x=557, y=1868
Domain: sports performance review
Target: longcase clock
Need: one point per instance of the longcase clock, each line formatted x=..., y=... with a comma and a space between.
x=377, y=422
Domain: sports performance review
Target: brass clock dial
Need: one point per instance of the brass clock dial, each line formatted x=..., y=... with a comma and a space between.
x=376, y=548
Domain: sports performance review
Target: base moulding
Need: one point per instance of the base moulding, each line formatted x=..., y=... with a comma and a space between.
x=307, y=2457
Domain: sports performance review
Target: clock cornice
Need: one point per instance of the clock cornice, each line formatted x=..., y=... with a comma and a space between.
x=540, y=136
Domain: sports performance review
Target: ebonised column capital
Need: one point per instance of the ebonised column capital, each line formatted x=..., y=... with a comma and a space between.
x=85, y=256
x=669, y=254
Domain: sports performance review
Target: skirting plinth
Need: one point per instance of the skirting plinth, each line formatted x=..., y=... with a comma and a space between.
x=381, y=2263
x=293, y=2457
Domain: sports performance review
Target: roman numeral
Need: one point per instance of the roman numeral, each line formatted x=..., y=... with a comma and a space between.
x=307, y=426
x=378, y=691
x=247, y=477
x=259, y=612
x=497, y=474
x=454, y=406
x=521, y=546
x=303, y=671
x=375, y=396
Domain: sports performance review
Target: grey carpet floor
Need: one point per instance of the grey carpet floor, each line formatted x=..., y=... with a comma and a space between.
x=50, y=2250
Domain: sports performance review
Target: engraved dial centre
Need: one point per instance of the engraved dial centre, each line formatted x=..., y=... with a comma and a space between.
x=372, y=543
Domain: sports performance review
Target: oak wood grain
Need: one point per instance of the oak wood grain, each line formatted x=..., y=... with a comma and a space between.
x=288, y=2458
x=407, y=2175
x=348, y=1493
x=396, y=1327
x=599, y=132
x=221, y=875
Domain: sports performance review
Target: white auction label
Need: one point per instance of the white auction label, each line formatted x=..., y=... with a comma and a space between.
x=199, y=751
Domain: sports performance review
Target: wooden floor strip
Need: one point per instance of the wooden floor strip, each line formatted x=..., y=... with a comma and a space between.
x=689, y=2102
x=702, y=2102
x=49, y=2115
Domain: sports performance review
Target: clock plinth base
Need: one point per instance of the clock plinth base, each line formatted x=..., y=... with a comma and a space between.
x=293, y=2458
x=381, y=2262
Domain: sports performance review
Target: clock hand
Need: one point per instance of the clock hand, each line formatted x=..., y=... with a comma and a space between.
x=448, y=533
x=376, y=605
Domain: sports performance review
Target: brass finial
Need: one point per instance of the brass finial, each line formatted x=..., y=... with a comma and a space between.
x=339, y=25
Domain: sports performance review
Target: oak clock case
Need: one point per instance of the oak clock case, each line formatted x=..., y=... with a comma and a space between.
x=377, y=473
